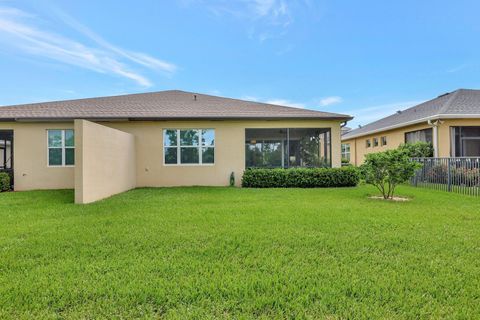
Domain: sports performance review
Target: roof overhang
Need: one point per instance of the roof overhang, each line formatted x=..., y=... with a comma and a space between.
x=409, y=123
x=117, y=119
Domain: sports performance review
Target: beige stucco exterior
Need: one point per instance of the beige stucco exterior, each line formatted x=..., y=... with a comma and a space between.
x=105, y=162
x=31, y=170
x=395, y=137
x=229, y=150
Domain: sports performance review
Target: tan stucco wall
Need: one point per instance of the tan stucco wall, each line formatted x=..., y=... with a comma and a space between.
x=229, y=150
x=30, y=152
x=31, y=170
x=396, y=137
x=104, y=161
x=444, y=133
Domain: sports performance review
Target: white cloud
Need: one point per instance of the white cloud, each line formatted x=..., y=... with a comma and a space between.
x=280, y=102
x=272, y=8
x=265, y=19
x=20, y=30
x=140, y=58
x=327, y=101
x=283, y=102
x=458, y=68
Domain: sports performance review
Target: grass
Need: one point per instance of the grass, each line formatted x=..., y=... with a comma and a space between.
x=240, y=253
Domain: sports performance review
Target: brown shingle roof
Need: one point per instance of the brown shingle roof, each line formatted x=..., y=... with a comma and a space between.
x=171, y=104
x=462, y=102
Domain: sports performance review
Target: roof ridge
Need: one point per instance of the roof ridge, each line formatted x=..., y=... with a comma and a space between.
x=265, y=103
x=88, y=98
x=22, y=105
x=166, y=104
x=449, y=101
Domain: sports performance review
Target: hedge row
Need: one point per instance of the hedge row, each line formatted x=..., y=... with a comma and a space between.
x=301, y=178
x=4, y=181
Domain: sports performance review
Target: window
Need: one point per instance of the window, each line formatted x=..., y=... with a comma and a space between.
x=5, y=154
x=368, y=143
x=465, y=141
x=346, y=151
x=375, y=142
x=383, y=141
x=61, y=148
x=424, y=135
x=287, y=147
x=188, y=146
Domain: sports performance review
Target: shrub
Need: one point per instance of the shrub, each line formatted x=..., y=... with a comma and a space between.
x=437, y=174
x=385, y=170
x=300, y=177
x=4, y=181
x=417, y=149
x=466, y=176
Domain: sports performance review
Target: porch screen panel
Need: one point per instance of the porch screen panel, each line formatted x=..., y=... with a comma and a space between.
x=265, y=148
x=5, y=154
x=2, y=154
x=289, y=147
x=465, y=141
x=309, y=147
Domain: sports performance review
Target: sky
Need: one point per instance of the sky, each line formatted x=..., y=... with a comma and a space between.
x=366, y=58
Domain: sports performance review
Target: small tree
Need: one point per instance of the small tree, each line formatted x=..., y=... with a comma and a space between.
x=385, y=170
x=417, y=149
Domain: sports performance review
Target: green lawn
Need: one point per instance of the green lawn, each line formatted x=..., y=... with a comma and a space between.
x=240, y=253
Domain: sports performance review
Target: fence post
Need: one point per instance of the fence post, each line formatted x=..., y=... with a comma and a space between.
x=414, y=179
x=449, y=176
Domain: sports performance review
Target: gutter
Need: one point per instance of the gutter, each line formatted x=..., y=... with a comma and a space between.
x=404, y=124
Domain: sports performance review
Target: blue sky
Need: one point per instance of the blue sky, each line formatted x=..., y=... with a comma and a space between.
x=366, y=58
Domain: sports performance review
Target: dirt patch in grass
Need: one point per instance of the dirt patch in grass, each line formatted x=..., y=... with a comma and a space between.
x=399, y=199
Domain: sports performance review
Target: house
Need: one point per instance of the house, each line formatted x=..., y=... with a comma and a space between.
x=451, y=122
x=102, y=146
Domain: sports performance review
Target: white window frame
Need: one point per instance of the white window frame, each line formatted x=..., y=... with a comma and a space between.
x=63, y=147
x=383, y=141
x=199, y=147
x=344, y=151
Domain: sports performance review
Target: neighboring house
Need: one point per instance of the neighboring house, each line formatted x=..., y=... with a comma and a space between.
x=102, y=146
x=345, y=130
x=451, y=122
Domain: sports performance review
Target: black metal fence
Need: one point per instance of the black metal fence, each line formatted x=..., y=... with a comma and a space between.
x=461, y=175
